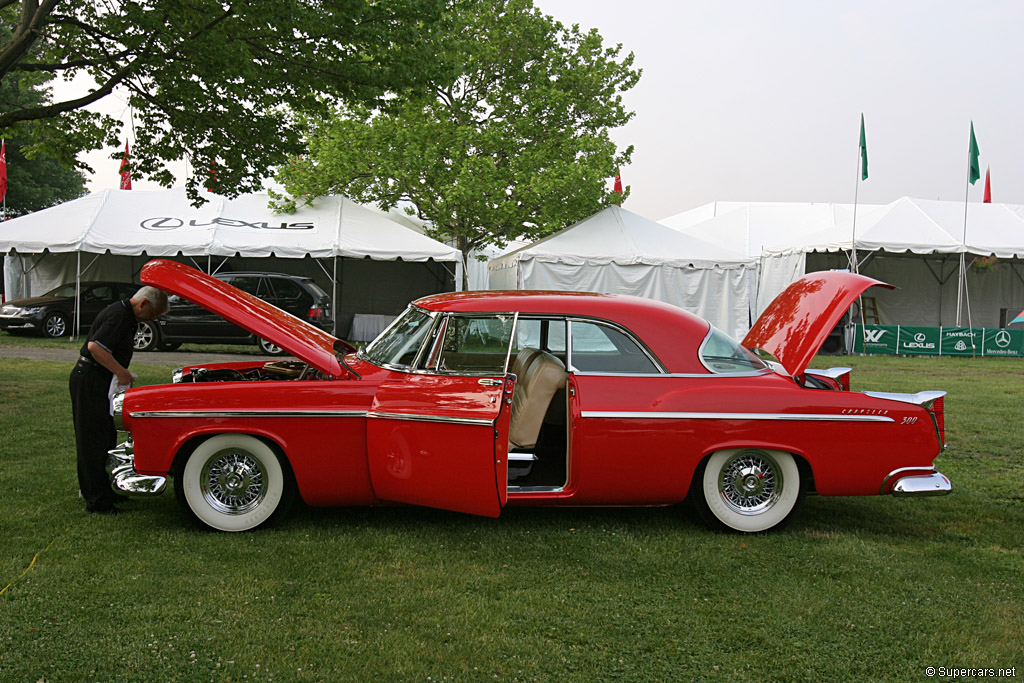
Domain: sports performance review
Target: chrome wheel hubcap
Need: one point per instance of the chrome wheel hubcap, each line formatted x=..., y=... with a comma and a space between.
x=750, y=482
x=55, y=327
x=233, y=482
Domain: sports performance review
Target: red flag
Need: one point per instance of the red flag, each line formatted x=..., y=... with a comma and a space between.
x=618, y=184
x=213, y=175
x=988, y=188
x=125, y=170
x=3, y=169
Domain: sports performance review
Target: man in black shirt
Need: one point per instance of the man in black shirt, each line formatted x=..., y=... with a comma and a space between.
x=107, y=352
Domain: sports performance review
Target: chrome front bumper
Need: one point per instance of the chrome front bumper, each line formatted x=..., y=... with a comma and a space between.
x=123, y=477
x=915, y=485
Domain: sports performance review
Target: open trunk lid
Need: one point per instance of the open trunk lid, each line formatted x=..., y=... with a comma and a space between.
x=797, y=322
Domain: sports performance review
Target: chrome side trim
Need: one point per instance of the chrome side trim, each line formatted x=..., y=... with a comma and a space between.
x=658, y=415
x=248, y=413
x=685, y=375
x=536, y=489
x=921, y=398
x=477, y=421
x=521, y=457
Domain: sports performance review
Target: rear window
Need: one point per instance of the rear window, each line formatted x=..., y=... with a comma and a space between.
x=722, y=354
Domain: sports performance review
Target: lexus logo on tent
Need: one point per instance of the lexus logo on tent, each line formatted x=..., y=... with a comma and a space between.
x=170, y=223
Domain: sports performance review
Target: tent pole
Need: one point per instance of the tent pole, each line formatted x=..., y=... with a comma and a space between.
x=334, y=297
x=78, y=294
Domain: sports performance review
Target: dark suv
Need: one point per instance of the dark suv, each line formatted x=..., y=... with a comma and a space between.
x=53, y=313
x=189, y=323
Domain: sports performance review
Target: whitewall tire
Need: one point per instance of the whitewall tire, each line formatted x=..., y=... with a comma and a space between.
x=234, y=482
x=747, y=489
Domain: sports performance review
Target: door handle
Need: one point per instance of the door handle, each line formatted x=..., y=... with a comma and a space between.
x=487, y=382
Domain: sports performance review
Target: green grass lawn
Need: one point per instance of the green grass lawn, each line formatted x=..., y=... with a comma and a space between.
x=855, y=588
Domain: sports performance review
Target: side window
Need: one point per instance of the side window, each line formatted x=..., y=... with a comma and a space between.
x=99, y=293
x=603, y=348
x=286, y=289
x=474, y=345
x=546, y=334
x=246, y=283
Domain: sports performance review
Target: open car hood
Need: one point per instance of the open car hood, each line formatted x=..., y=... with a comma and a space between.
x=297, y=337
x=798, y=321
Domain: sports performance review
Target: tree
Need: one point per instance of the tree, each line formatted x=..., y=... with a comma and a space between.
x=214, y=80
x=512, y=142
x=38, y=181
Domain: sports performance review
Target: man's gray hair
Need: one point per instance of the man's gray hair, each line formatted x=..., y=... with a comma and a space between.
x=157, y=298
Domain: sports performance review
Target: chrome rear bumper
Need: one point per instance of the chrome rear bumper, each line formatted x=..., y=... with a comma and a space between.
x=914, y=485
x=123, y=477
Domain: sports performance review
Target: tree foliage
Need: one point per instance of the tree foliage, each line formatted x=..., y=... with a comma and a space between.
x=512, y=141
x=38, y=181
x=206, y=79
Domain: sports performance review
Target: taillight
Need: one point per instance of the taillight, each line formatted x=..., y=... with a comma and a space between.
x=938, y=411
x=315, y=313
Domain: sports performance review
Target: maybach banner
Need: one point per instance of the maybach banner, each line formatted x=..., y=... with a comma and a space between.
x=911, y=340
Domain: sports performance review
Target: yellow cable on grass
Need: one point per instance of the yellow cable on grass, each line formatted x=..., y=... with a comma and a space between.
x=30, y=565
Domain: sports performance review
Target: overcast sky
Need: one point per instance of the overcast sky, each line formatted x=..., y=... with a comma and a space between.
x=755, y=100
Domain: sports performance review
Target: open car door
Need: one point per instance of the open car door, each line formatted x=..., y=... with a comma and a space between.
x=439, y=437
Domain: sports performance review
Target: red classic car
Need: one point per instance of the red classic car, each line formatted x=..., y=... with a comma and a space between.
x=473, y=401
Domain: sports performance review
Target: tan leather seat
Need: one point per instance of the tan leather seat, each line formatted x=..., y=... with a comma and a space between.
x=522, y=361
x=542, y=375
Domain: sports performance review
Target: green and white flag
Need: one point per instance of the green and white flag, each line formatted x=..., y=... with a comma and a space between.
x=975, y=171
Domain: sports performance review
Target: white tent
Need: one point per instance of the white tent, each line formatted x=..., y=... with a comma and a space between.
x=620, y=252
x=377, y=263
x=916, y=244
x=912, y=243
x=752, y=228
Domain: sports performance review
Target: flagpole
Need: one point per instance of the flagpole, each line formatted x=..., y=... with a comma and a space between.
x=854, y=265
x=961, y=289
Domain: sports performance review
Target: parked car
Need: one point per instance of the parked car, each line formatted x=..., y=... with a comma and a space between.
x=53, y=313
x=473, y=401
x=188, y=322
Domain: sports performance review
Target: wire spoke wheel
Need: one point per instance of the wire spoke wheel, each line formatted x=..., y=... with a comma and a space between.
x=235, y=482
x=751, y=482
x=747, y=489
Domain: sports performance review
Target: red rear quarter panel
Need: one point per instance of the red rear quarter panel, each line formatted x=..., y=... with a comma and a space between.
x=851, y=441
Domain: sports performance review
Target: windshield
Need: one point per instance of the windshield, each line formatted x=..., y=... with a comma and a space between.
x=64, y=291
x=397, y=346
x=721, y=353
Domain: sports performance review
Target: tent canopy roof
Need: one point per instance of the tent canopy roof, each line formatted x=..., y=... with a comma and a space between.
x=617, y=236
x=918, y=226
x=164, y=223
